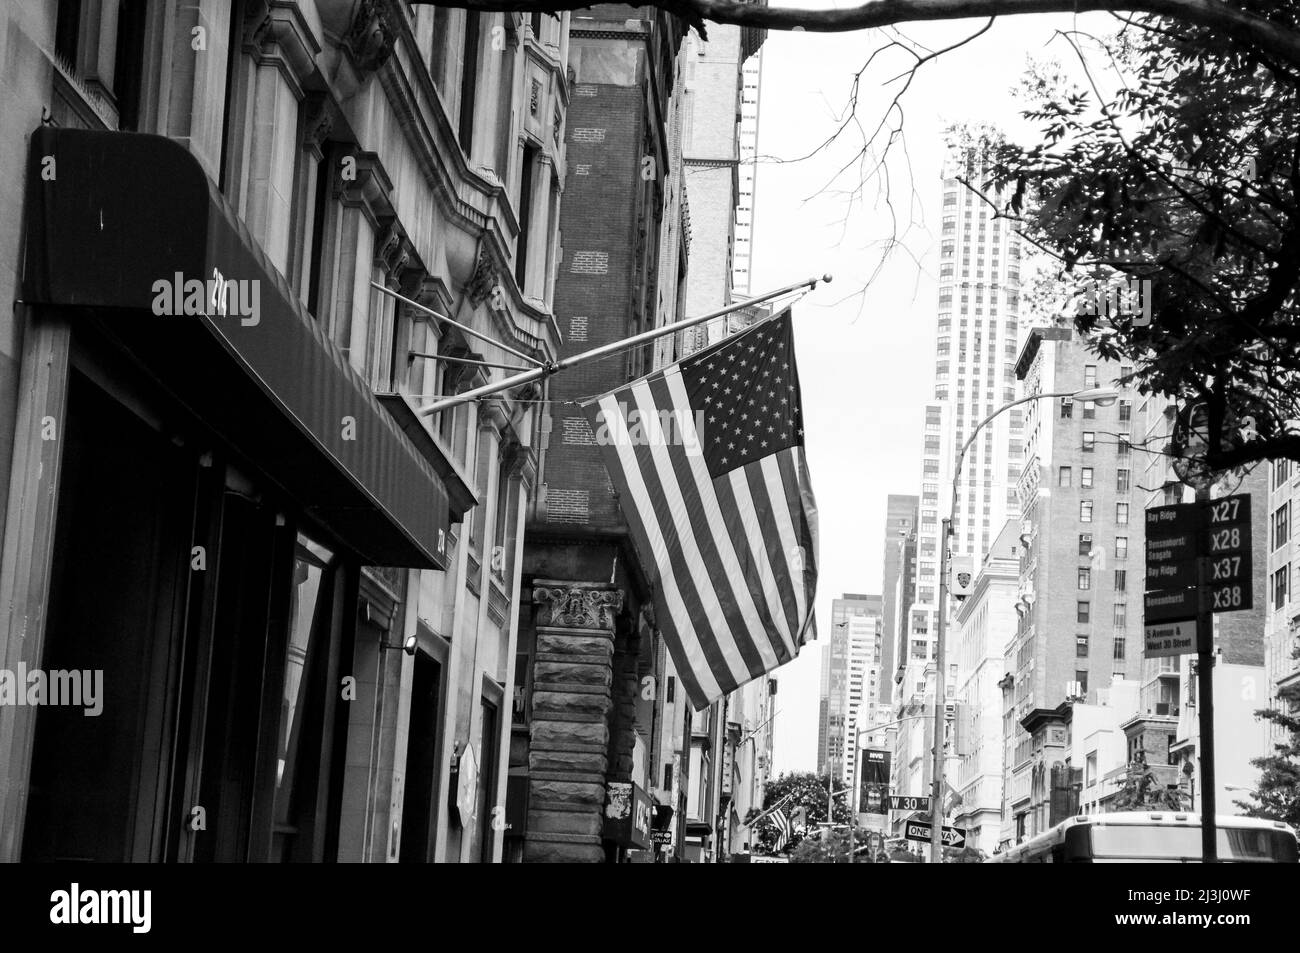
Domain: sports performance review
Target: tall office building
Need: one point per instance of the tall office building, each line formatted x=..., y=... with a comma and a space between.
x=899, y=579
x=851, y=679
x=974, y=375
x=1081, y=571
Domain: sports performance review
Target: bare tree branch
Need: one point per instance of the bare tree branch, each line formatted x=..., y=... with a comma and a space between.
x=1243, y=26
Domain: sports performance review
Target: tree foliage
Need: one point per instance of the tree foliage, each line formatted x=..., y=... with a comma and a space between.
x=1277, y=796
x=1175, y=163
x=807, y=790
x=829, y=848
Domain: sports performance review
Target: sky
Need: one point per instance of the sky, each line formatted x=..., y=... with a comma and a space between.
x=865, y=342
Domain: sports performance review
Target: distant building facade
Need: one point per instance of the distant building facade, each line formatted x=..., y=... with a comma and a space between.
x=1081, y=569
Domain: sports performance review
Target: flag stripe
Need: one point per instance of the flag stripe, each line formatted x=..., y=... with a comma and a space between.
x=681, y=622
x=784, y=526
x=728, y=570
x=676, y=513
x=742, y=525
x=777, y=548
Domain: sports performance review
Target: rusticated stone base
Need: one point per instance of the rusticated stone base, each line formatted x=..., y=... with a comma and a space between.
x=569, y=726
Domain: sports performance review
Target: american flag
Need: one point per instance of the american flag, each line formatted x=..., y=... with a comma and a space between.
x=707, y=456
x=783, y=827
x=776, y=816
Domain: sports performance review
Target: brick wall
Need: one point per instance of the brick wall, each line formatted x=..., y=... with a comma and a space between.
x=593, y=293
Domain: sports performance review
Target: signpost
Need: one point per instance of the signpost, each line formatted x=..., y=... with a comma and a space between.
x=1197, y=555
x=920, y=830
x=1198, y=562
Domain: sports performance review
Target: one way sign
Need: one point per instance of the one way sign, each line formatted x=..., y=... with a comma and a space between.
x=950, y=836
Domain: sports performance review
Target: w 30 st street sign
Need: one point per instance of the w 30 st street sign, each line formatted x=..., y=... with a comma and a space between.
x=903, y=802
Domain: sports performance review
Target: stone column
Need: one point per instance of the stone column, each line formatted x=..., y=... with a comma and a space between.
x=569, y=731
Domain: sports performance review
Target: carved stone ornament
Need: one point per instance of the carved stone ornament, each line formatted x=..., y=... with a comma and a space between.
x=319, y=121
x=578, y=607
x=483, y=280
x=371, y=38
x=390, y=245
x=257, y=27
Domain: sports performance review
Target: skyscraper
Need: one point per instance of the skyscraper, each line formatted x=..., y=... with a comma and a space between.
x=974, y=375
x=851, y=679
x=900, y=573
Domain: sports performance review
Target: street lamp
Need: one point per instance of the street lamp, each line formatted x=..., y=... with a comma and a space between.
x=1102, y=397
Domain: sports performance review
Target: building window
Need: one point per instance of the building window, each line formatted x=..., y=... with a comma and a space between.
x=1123, y=446
x=1085, y=544
x=1085, y=478
x=668, y=777
x=1081, y=676
x=1121, y=580
x=525, y=209
x=1081, y=646
x=1121, y=481
x=67, y=26
x=1089, y=410
x=1120, y=615
x=1171, y=756
x=468, y=79
x=1090, y=375
x=1085, y=578
x=1281, y=472
x=128, y=65
x=1067, y=408
x=1125, y=411
x=1119, y=648
x=1085, y=511
x=1280, y=586
x=1281, y=524
x=1084, y=612
x=1121, y=547
x=1089, y=441
x=670, y=692
x=1121, y=514
x=1063, y=477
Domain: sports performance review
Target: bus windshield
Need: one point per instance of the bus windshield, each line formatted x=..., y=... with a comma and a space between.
x=1158, y=843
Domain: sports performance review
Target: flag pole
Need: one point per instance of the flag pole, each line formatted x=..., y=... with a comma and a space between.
x=552, y=367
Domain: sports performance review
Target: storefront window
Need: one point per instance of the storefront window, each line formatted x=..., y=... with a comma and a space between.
x=309, y=624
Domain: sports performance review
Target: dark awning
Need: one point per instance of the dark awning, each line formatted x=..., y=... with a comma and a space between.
x=112, y=215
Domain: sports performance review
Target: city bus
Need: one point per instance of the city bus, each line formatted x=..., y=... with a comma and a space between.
x=1156, y=837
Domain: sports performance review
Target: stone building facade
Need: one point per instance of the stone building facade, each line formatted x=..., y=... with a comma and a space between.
x=287, y=518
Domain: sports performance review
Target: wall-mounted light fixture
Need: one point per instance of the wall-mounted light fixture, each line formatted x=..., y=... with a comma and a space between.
x=408, y=646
